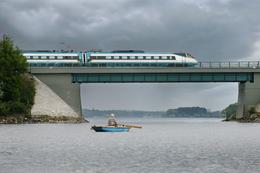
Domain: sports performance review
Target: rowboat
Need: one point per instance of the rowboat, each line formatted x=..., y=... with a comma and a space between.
x=110, y=129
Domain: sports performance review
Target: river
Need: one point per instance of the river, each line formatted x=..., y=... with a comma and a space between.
x=162, y=145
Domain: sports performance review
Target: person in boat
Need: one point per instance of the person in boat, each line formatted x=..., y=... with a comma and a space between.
x=112, y=120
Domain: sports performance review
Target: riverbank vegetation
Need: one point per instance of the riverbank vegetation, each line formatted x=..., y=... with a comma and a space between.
x=230, y=112
x=253, y=114
x=17, y=89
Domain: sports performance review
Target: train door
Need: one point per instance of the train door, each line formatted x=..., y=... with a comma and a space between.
x=83, y=58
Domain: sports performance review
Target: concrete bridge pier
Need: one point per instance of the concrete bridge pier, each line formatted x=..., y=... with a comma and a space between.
x=241, y=100
x=62, y=85
x=248, y=96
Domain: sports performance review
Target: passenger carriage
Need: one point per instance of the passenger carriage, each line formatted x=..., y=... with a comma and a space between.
x=114, y=58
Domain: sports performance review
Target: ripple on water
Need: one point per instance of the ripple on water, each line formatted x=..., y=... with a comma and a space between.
x=163, y=145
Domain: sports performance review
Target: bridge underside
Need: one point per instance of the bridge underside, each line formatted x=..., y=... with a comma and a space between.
x=161, y=77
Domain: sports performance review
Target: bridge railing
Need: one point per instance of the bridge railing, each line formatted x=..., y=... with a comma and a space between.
x=234, y=64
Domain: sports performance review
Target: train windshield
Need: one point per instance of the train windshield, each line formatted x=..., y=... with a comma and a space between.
x=184, y=55
x=189, y=55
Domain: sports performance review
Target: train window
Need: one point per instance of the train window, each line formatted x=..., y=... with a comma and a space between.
x=43, y=57
x=160, y=57
x=39, y=57
x=116, y=57
x=124, y=57
x=152, y=57
x=128, y=57
x=168, y=57
x=112, y=57
x=48, y=57
x=60, y=57
x=100, y=57
x=164, y=57
x=173, y=57
x=140, y=57
x=51, y=57
x=108, y=57
x=136, y=57
x=148, y=57
x=55, y=57
x=31, y=57
x=156, y=57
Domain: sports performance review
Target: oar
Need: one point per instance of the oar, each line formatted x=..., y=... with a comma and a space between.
x=131, y=126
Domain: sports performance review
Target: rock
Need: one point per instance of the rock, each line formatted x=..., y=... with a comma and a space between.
x=253, y=116
x=257, y=108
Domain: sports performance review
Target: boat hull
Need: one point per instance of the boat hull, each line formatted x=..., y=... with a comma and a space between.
x=110, y=129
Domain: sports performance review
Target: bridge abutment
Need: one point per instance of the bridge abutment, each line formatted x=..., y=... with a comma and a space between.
x=62, y=85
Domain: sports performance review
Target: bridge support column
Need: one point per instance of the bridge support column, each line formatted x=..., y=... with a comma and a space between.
x=248, y=96
x=241, y=100
x=62, y=85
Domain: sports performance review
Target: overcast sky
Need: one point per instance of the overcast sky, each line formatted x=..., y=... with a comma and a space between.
x=210, y=30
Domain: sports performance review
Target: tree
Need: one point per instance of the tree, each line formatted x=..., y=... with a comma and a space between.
x=13, y=68
x=229, y=111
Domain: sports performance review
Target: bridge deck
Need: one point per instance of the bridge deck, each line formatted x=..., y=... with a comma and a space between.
x=204, y=72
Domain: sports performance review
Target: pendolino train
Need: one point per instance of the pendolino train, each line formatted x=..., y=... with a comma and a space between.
x=113, y=58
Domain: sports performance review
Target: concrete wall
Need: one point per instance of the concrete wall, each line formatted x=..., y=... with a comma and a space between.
x=62, y=85
x=252, y=92
x=248, y=96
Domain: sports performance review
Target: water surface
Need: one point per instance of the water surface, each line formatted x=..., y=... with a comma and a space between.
x=163, y=145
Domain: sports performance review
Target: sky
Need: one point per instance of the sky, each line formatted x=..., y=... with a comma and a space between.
x=211, y=30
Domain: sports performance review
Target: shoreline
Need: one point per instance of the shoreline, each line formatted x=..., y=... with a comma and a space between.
x=21, y=119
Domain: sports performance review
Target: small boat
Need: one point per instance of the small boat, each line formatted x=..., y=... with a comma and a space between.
x=110, y=128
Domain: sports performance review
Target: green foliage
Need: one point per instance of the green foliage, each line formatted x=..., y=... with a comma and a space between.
x=190, y=112
x=230, y=110
x=252, y=110
x=16, y=88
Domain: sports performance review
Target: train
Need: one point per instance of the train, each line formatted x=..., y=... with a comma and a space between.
x=113, y=58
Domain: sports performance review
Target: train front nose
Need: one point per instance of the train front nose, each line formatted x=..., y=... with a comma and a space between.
x=194, y=61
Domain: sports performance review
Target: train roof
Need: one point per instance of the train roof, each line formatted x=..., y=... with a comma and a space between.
x=128, y=51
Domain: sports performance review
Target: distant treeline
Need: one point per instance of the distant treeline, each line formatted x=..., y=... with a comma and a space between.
x=196, y=112
x=121, y=113
x=170, y=113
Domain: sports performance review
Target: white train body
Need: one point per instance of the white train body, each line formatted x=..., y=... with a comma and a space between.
x=111, y=58
x=52, y=57
x=140, y=58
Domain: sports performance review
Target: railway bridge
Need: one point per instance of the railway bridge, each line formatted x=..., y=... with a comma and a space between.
x=65, y=79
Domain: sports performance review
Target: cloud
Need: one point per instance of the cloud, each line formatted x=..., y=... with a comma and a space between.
x=210, y=30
